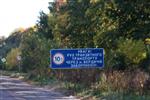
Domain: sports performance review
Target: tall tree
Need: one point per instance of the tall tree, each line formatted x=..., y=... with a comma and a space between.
x=133, y=17
x=43, y=27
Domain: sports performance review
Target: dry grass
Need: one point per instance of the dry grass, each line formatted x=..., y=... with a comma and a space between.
x=136, y=81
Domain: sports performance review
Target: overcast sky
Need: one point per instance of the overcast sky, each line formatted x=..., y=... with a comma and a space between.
x=20, y=13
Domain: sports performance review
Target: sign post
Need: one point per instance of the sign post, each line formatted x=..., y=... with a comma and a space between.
x=19, y=63
x=147, y=43
x=77, y=58
x=3, y=61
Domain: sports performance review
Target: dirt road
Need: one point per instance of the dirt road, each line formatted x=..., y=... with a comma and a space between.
x=15, y=89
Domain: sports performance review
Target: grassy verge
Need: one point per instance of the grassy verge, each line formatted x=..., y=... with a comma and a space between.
x=13, y=74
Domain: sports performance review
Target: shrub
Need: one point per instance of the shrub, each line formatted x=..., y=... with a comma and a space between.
x=133, y=50
x=35, y=53
x=11, y=59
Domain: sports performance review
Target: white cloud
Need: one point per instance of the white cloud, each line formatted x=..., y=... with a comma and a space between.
x=20, y=13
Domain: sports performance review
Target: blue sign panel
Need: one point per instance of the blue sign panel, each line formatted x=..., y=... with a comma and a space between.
x=77, y=58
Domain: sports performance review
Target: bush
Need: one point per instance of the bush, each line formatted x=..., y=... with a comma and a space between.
x=35, y=53
x=11, y=59
x=133, y=50
x=115, y=60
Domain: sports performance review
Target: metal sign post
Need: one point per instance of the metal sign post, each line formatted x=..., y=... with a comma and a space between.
x=3, y=61
x=19, y=63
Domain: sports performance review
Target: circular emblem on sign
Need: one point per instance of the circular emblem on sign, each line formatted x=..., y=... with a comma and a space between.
x=58, y=58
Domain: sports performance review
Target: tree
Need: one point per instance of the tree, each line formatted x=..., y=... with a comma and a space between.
x=12, y=63
x=132, y=17
x=133, y=50
x=13, y=41
x=43, y=28
x=35, y=53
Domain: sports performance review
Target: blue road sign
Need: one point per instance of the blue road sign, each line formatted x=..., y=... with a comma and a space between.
x=77, y=58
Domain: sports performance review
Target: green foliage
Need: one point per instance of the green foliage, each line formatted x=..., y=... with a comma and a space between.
x=89, y=23
x=133, y=50
x=35, y=53
x=82, y=24
x=13, y=41
x=115, y=60
x=74, y=87
x=73, y=25
x=11, y=59
x=44, y=29
x=132, y=17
